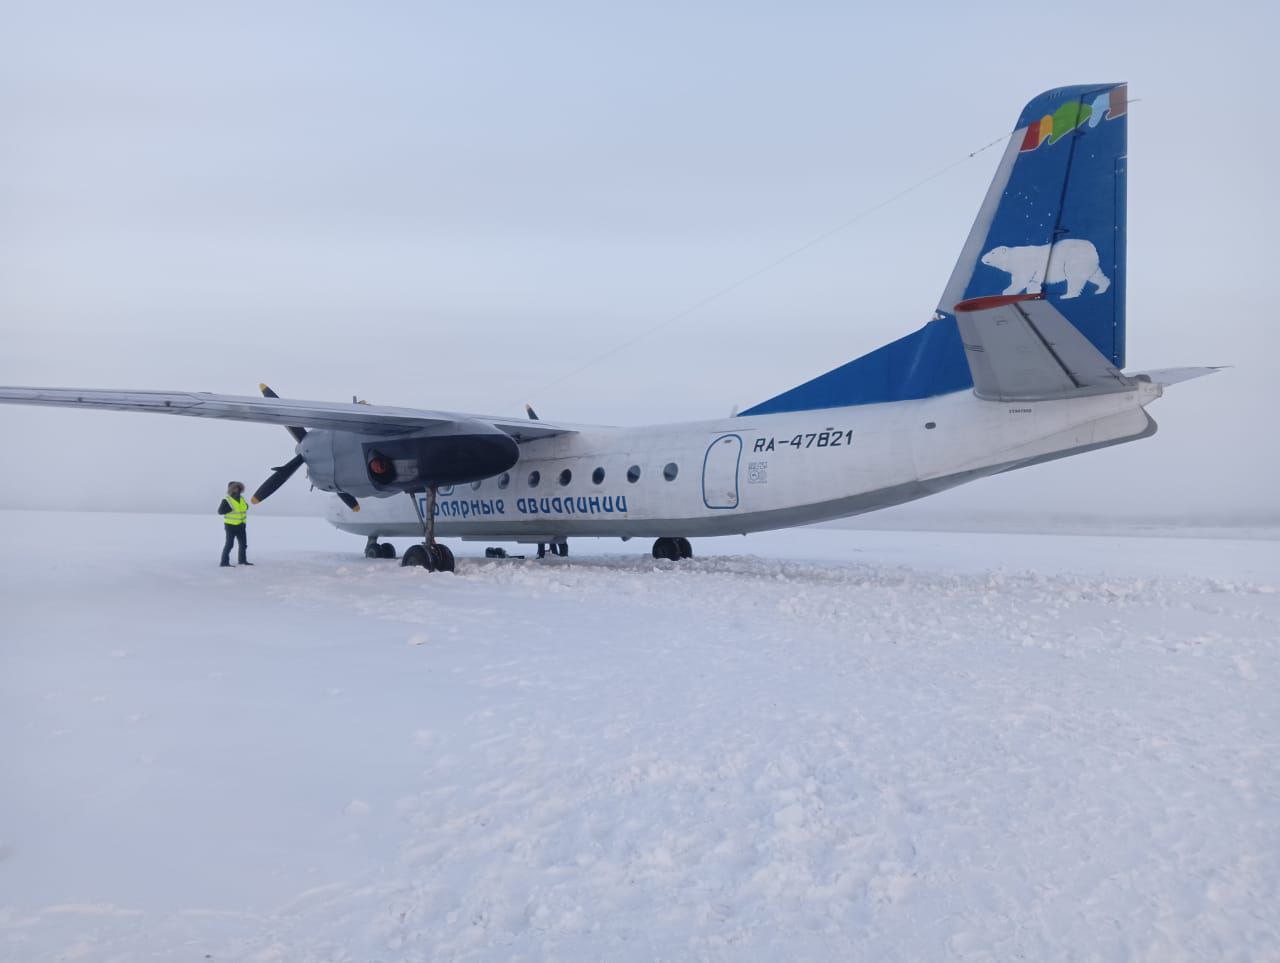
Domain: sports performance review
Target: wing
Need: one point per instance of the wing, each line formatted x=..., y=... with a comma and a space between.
x=335, y=416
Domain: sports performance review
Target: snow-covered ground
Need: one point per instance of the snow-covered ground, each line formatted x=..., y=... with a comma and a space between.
x=810, y=745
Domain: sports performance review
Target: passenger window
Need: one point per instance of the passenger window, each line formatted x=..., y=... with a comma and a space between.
x=475, y=486
x=535, y=476
x=633, y=474
x=670, y=472
x=566, y=476
x=505, y=480
x=597, y=476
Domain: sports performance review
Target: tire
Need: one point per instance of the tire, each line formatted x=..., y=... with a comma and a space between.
x=666, y=548
x=373, y=551
x=684, y=548
x=416, y=555
x=442, y=556
x=386, y=550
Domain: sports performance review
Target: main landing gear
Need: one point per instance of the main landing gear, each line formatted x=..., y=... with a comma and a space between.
x=557, y=548
x=376, y=549
x=672, y=549
x=429, y=555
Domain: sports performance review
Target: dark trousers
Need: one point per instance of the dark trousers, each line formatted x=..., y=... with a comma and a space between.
x=235, y=533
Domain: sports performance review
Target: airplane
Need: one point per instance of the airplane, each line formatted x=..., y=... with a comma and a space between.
x=1022, y=363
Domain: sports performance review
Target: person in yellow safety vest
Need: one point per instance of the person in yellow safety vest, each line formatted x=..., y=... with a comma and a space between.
x=235, y=512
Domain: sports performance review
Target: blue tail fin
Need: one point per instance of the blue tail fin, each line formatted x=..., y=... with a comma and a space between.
x=1053, y=222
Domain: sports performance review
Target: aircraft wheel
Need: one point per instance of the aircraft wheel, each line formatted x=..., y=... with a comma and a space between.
x=684, y=548
x=419, y=556
x=386, y=550
x=666, y=548
x=442, y=556
x=373, y=551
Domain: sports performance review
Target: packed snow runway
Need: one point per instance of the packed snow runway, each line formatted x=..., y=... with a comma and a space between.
x=811, y=745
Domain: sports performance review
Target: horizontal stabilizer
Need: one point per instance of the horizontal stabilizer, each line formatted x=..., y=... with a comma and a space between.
x=1021, y=348
x=1172, y=376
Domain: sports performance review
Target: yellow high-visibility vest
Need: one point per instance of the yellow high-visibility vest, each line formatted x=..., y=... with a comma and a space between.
x=239, y=511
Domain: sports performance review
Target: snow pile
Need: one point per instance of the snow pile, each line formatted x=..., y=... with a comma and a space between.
x=852, y=745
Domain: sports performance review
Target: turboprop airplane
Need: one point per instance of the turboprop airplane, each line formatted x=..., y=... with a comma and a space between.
x=1021, y=364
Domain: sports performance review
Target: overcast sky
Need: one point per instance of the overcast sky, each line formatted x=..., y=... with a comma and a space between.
x=455, y=205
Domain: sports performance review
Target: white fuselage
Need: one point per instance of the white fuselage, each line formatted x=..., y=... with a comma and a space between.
x=753, y=473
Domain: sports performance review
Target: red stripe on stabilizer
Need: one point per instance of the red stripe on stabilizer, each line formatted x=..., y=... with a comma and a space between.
x=996, y=301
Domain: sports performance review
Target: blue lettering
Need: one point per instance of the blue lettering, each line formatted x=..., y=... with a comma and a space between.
x=501, y=507
x=608, y=503
x=582, y=504
x=594, y=504
x=544, y=505
x=622, y=503
x=486, y=507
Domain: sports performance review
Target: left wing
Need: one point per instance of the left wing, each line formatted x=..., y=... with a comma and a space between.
x=335, y=416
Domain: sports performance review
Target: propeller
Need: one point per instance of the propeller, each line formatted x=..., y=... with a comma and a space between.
x=281, y=473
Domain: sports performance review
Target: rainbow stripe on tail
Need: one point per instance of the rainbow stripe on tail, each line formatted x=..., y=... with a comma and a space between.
x=1053, y=127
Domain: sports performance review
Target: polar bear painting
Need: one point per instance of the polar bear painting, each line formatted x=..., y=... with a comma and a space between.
x=1073, y=260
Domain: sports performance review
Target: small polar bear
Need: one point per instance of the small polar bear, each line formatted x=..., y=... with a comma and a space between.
x=1073, y=260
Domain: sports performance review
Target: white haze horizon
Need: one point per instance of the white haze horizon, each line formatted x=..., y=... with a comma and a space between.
x=457, y=208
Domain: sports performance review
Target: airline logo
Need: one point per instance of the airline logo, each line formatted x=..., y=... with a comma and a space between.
x=1053, y=127
x=1073, y=260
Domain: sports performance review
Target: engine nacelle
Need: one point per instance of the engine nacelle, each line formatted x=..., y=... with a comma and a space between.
x=449, y=454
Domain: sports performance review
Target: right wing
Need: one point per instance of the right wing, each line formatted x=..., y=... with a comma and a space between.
x=332, y=415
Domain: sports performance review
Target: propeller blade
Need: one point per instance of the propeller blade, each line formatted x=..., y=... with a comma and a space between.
x=276, y=479
x=298, y=433
x=281, y=475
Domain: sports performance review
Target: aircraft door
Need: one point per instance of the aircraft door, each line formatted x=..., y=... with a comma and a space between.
x=720, y=472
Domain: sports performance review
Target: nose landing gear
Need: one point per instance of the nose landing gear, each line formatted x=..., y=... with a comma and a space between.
x=429, y=555
x=672, y=549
